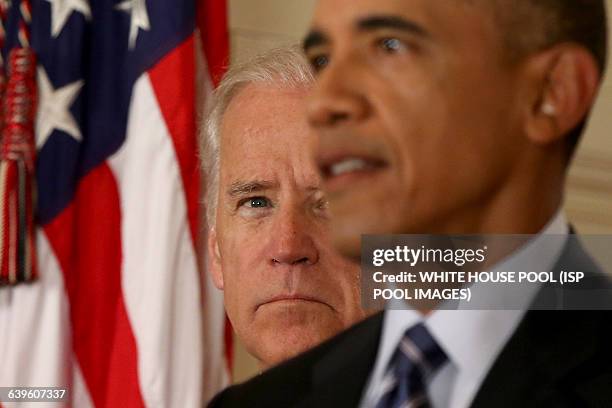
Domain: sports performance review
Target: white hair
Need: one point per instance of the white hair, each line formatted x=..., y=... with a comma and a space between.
x=285, y=67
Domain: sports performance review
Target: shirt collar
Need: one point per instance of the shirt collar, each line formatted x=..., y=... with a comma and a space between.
x=472, y=339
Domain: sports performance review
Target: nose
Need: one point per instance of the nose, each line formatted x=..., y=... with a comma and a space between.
x=336, y=98
x=293, y=243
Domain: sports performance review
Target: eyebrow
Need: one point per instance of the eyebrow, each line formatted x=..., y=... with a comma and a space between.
x=317, y=38
x=378, y=22
x=242, y=188
x=314, y=39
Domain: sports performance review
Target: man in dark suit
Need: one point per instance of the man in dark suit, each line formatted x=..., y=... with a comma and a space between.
x=455, y=117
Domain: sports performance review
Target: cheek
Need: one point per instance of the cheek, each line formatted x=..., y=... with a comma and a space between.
x=242, y=241
x=414, y=120
x=242, y=258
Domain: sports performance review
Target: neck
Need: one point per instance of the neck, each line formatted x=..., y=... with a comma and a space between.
x=523, y=204
x=520, y=206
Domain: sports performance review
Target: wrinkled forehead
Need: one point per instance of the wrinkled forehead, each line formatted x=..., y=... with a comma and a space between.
x=265, y=135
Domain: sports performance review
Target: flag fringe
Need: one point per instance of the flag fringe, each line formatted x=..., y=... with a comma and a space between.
x=17, y=174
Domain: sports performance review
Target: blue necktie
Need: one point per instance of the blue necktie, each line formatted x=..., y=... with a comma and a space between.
x=417, y=357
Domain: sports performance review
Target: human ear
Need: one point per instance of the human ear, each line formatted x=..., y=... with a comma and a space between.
x=214, y=256
x=565, y=83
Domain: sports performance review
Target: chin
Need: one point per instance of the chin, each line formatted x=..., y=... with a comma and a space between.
x=286, y=342
x=291, y=345
x=281, y=355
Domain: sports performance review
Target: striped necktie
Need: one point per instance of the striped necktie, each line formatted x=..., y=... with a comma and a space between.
x=417, y=357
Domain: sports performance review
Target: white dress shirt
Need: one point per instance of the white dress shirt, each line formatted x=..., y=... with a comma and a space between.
x=472, y=339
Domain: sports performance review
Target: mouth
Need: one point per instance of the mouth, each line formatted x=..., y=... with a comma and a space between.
x=341, y=170
x=289, y=299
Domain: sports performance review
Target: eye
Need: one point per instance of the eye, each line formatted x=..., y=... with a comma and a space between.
x=318, y=62
x=321, y=208
x=256, y=202
x=254, y=207
x=391, y=45
x=320, y=204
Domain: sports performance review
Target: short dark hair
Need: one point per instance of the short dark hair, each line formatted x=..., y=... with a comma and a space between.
x=533, y=25
x=530, y=26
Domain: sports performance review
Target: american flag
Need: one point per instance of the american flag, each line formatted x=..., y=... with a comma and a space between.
x=120, y=314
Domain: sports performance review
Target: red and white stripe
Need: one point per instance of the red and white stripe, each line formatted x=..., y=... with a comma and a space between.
x=121, y=314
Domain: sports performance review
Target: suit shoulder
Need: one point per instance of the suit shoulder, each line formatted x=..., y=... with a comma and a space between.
x=290, y=382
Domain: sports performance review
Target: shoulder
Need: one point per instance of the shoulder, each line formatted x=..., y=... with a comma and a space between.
x=592, y=291
x=553, y=357
x=291, y=382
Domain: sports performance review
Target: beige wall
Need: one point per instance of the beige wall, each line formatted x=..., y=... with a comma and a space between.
x=257, y=25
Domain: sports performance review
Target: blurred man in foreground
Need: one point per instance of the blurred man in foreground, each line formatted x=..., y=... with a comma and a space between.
x=286, y=289
x=452, y=117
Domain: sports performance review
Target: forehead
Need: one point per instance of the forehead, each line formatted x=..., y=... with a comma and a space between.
x=347, y=11
x=264, y=132
x=441, y=18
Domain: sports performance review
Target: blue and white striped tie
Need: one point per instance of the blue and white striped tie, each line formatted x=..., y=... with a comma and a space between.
x=417, y=357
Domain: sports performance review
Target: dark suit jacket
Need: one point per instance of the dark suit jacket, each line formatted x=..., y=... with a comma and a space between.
x=553, y=359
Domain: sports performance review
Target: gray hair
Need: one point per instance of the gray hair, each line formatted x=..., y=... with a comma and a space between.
x=286, y=67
